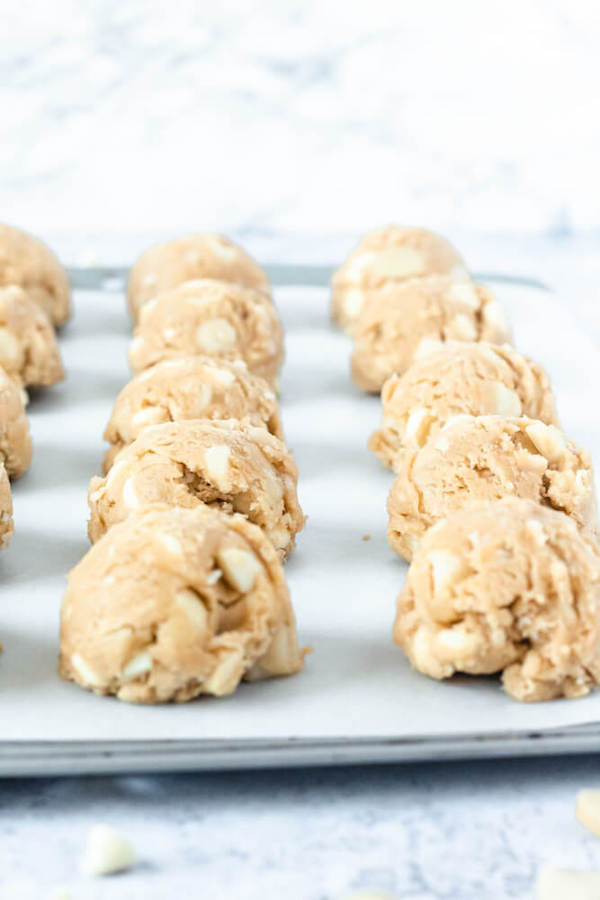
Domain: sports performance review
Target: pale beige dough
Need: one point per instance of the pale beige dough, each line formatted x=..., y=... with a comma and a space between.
x=398, y=321
x=194, y=387
x=6, y=508
x=166, y=266
x=29, y=351
x=477, y=379
x=212, y=318
x=27, y=262
x=15, y=439
x=479, y=459
x=386, y=257
x=235, y=466
x=173, y=603
x=511, y=586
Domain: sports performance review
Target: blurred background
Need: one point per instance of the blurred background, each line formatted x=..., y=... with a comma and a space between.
x=297, y=117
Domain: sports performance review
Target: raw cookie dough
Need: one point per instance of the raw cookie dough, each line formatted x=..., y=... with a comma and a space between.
x=484, y=458
x=510, y=586
x=165, y=266
x=396, y=319
x=173, y=603
x=29, y=351
x=210, y=317
x=229, y=464
x=195, y=387
x=477, y=379
x=6, y=508
x=15, y=440
x=386, y=257
x=27, y=262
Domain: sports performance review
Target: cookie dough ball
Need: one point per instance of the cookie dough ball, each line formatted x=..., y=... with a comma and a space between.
x=26, y=262
x=173, y=603
x=397, y=319
x=386, y=257
x=213, y=318
x=165, y=266
x=15, y=440
x=231, y=465
x=28, y=348
x=6, y=508
x=511, y=586
x=458, y=378
x=196, y=387
x=484, y=458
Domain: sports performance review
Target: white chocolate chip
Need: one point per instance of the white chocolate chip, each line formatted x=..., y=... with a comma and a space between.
x=494, y=317
x=170, y=543
x=130, y=498
x=226, y=676
x=427, y=346
x=216, y=336
x=503, y=401
x=10, y=349
x=548, y=440
x=193, y=607
x=139, y=665
x=213, y=576
x=444, y=567
x=85, y=671
x=561, y=884
x=417, y=426
x=397, y=263
x=353, y=301
x=216, y=460
x=136, y=346
x=454, y=420
x=204, y=394
x=455, y=642
x=149, y=415
x=240, y=567
x=536, y=530
x=464, y=293
x=106, y=852
x=223, y=377
x=588, y=809
x=282, y=649
x=355, y=267
x=464, y=327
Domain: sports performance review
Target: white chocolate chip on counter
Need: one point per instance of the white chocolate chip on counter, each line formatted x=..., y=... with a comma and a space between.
x=588, y=809
x=240, y=568
x=562, y=884
x=106, y=852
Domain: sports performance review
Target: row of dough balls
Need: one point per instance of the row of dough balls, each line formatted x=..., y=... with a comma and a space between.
x=35, y=298
x=493, y=505
x=198, y=504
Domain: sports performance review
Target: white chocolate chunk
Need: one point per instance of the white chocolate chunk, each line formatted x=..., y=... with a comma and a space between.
x=170, y=543
x=223, y=377
x=354, y=268
x=464, y=327
x=150, y=415
x=139, y=665
x=191, y=604
x=214, y=576
x=398, y=263
x=417, y=426
x=504, y=402
x=444, y=567
x=493, y=315
x=464, y=293
x=10, y=349
x=561, y=884
x=548, y=440
x=427, y=346
x=130, y=498
x=226, y=676
x=240, y=567
x=106, y=852
x=216, y=460
x=86, y=672
x=588, y=809
x=216, y=336
x=353, y=301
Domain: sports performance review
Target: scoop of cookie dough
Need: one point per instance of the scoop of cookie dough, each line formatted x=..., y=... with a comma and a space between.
x=388, y=256
x=165, y=266
x=454, y=378
x=397, y=319
x=232, y=465
x=510, y=586
x=210, y=317
x=28, y=348
x=173, y=603
x=27, y=262
x=195, y=387
x=15, y=440
x=6, y=508
x=479, y=459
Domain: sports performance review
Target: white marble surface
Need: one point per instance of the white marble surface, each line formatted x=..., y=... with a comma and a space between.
x=294, y=126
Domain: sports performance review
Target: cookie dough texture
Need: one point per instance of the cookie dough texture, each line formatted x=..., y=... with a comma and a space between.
x=173, y=603
x=480, y=459
x=212, y=318
x=512, y=587
x=6, y=508
x=15, y=439
x=165, y=266
x=28, y=263
x=458, y=378
x=387, y=257
x=231, y=465
x=28, y=348
x=398, y=318
x=196, y=387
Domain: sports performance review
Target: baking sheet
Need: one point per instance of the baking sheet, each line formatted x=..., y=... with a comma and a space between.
x=357, y=690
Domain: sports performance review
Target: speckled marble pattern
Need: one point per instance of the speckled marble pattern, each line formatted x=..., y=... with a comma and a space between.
x=458, y=831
